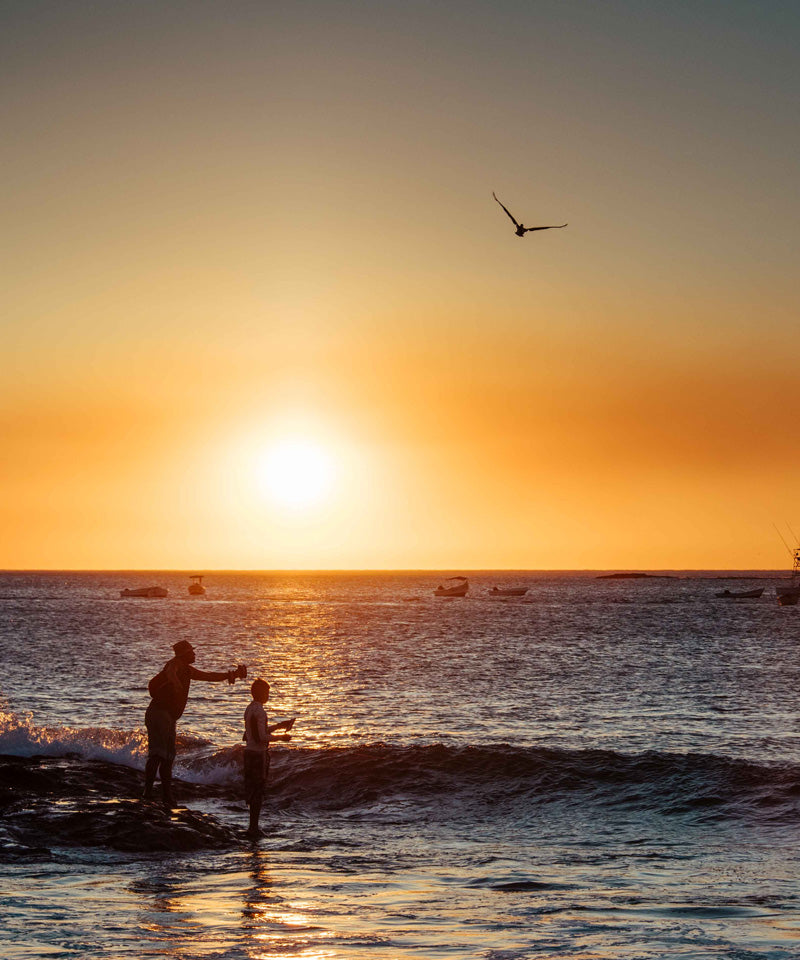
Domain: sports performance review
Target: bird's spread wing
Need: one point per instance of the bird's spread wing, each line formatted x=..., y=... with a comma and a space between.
x=553, y=226
x=511, y=215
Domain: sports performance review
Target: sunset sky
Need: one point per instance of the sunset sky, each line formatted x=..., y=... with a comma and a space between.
x=249, y=243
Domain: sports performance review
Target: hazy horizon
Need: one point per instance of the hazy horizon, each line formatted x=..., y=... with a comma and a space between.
x=188, y=571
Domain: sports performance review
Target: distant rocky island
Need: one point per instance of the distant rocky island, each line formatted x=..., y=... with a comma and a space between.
x=634, y=576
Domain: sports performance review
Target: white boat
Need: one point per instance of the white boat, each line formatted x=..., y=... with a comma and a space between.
x=196, y=587
x=458, y=589
x=145, y=592
x=740, y=594
x=788, y=592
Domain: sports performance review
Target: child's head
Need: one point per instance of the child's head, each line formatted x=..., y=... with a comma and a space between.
x=260, y=690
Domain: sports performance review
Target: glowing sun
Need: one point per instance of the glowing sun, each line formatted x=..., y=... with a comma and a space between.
x=296, y=473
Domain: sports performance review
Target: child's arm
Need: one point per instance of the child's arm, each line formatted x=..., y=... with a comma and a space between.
x=283, y=725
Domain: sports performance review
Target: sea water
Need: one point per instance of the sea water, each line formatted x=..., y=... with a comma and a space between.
x=599, y=769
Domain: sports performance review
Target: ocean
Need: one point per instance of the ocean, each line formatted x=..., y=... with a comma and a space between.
x=603, y=768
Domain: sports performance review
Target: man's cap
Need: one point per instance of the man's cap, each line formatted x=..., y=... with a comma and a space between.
x=182, y=646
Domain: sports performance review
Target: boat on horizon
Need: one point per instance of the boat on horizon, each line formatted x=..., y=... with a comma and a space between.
x=148, y=593
x=196, y=588
x=740, y=594
x=788, y=592
x=508, y=591
x=459, y=588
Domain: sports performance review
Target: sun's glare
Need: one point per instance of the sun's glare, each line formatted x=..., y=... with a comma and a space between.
x=296, y=473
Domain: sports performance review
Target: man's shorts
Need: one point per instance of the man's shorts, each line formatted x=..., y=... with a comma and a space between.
x=256, y=768
x=160, y=733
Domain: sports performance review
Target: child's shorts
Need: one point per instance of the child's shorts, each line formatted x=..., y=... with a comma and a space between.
x=256, y=768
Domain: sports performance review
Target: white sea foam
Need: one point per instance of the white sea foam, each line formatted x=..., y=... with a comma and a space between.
x=222, y=767
x=21, y=737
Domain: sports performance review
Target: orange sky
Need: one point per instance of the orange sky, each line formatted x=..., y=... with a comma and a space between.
x=229, y=226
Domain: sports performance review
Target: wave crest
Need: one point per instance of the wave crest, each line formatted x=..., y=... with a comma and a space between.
x=21, y=737
x=503, y=777
x=470, y=780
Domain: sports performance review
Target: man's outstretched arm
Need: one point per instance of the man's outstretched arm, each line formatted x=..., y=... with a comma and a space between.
x=217, y=676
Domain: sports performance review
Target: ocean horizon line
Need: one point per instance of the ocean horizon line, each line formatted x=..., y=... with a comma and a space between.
x=376, y=571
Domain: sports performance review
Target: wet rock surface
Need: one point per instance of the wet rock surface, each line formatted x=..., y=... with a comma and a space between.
x=47, y=803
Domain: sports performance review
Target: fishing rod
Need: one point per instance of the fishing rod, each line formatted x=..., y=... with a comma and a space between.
x=788, y=548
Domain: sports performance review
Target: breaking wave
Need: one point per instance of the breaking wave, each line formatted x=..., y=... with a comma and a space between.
x=504, y=777
x=476, y=779
x=21, y=737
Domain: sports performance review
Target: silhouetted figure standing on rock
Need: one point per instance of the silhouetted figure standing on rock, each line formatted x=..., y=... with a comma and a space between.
x=258, y=735
x=170, y=691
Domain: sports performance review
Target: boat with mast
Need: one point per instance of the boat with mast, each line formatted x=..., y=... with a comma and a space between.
x=788, y=592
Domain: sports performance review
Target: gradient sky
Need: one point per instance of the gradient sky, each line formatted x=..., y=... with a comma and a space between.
x=234, y=223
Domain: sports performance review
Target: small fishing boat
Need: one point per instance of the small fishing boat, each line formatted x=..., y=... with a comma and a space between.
x=741, y=594
x=196, y=587
x=508, y=591
x=148, y=593
x=788, y=592
x=458, y=589
x=788, y=598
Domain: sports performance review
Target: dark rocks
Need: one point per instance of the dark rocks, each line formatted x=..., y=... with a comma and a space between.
x=128, y=825
x=46, y=802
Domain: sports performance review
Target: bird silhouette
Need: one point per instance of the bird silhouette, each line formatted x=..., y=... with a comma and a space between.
x=521, y=230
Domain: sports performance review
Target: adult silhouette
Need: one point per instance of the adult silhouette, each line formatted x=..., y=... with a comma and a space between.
x=169, y=690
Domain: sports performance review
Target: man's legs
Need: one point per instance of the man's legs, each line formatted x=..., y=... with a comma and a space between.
x=150, y=771
x=166, y=784
x=161, y=753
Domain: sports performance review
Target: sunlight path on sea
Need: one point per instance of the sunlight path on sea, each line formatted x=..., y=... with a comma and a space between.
x=320, y=899
x=607, y=770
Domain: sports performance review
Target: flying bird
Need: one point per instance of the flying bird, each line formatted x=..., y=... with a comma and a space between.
x=521, y=231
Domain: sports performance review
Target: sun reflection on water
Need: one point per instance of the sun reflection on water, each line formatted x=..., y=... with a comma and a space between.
x=270, y=926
